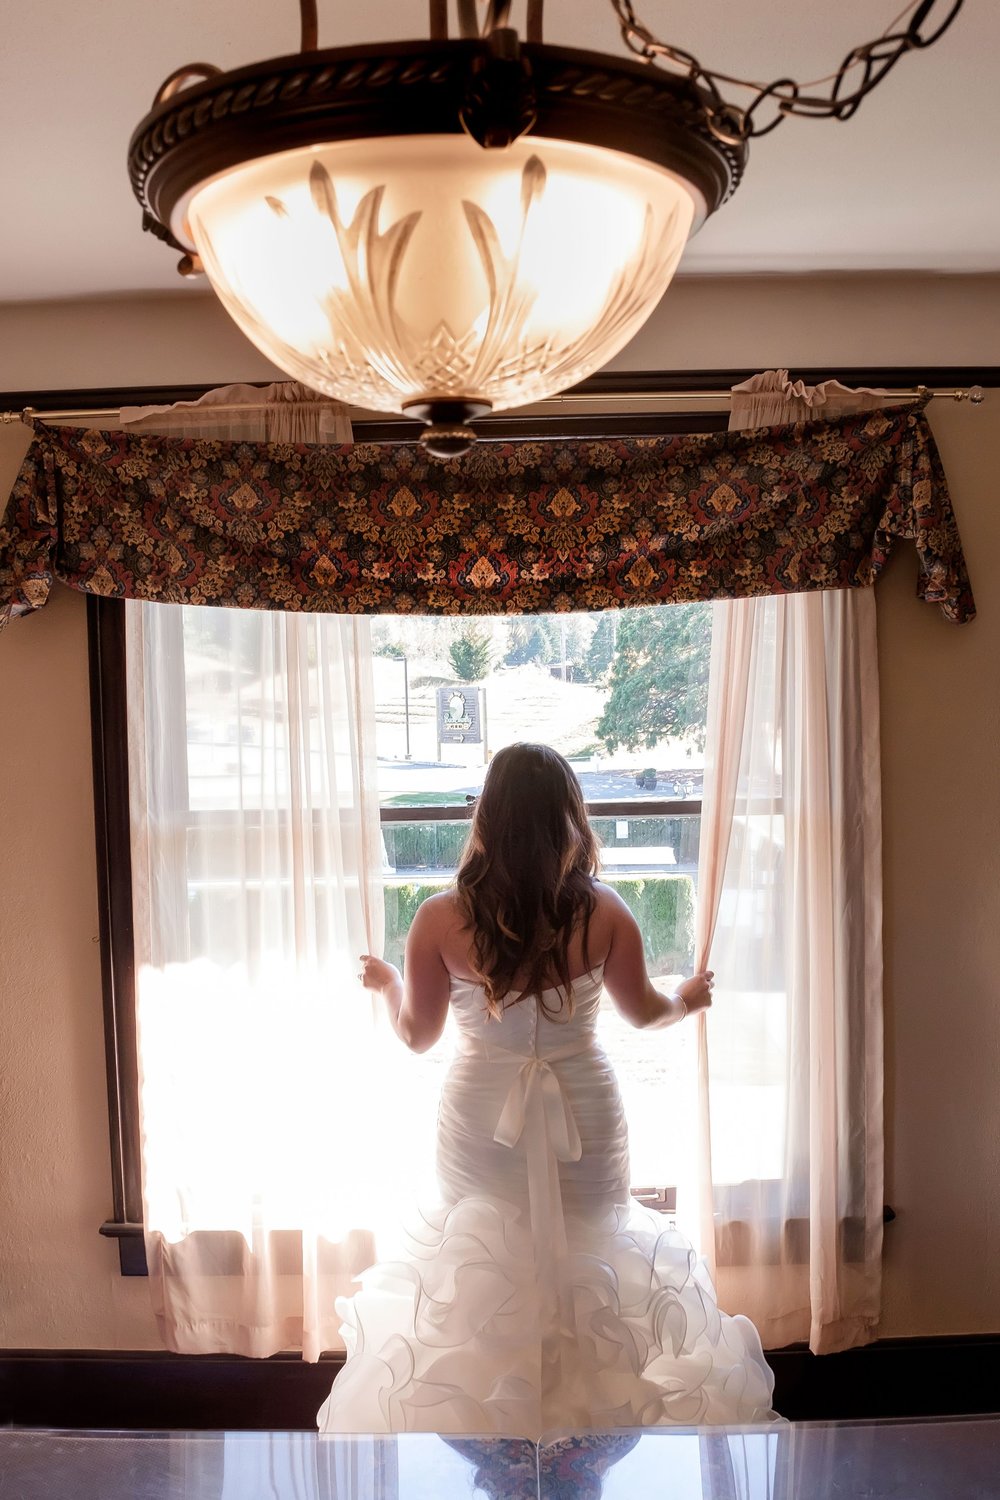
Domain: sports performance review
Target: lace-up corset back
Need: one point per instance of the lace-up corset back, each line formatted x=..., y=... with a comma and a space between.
x=526, y=1027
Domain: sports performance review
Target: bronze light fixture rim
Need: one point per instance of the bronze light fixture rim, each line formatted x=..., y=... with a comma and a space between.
x=418, y=88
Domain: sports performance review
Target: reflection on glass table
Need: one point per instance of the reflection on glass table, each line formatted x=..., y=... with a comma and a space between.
x=951, y=1459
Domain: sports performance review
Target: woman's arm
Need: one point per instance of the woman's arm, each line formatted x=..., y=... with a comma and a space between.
x=418, y=1006
x=628, y=983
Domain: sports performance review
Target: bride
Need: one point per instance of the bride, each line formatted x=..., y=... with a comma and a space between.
x=538, y=1296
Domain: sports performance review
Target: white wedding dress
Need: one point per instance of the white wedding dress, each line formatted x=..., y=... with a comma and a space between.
x=539, y=1297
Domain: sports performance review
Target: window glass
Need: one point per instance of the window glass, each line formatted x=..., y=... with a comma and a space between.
x=623, y=695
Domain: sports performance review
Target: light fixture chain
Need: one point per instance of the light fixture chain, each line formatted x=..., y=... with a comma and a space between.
x=309, y=26
x=732, y=124
x=497, y=17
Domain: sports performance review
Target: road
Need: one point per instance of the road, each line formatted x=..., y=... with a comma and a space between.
x=410, y=778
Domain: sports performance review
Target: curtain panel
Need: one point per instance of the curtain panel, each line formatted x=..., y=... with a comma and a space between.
x=256, y=879
x=511, y=528
x=790, y=917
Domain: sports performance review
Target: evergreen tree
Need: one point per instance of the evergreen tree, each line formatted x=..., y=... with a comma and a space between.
x=602, y=646
x=659, y=677
x=529, y=639
x=471, y=655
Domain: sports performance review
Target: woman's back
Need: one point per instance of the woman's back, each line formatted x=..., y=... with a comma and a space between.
x=537, y=1295
x=531, y=1099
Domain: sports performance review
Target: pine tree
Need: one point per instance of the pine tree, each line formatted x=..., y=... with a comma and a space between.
x=602, y=646
x=471, y=655
x=659, y=677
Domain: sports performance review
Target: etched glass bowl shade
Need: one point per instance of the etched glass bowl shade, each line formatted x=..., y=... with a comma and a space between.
x=405, y=269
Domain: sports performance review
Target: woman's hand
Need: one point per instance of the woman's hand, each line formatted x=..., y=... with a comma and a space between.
x=376, y=974
x=696, y=992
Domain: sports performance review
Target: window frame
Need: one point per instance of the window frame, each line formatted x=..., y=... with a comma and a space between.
x=109, y=740
x=107, y=651
x=107, y=656
x=106, y=644
x=107, y=680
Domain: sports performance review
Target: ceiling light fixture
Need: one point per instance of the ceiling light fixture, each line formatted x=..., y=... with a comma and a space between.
x=456, y=226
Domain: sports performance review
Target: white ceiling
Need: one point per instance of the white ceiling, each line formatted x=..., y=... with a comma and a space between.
x=910, y=184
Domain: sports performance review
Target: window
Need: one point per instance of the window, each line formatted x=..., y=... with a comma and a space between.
x=563, y=655
x=795, y=1049
x=623, y=696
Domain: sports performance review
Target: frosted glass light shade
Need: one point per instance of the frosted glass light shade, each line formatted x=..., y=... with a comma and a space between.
x=397, y=270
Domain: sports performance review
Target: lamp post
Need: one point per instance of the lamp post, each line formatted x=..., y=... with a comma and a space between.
x=406, y=705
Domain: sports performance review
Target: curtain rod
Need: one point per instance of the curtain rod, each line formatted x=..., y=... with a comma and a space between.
x=973, y=394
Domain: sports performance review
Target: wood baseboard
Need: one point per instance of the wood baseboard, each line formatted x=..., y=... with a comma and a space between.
x=148, y=1391
x=944, y=1376
x=141, y=1390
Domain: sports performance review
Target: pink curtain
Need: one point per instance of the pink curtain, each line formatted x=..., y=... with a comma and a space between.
x=786, y=1188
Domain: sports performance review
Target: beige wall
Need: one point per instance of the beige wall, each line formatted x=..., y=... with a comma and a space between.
x=701, y=324
x=59, y=1282
x=940, y=695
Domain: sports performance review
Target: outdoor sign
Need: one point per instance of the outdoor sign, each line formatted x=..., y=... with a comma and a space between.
x=458, y=719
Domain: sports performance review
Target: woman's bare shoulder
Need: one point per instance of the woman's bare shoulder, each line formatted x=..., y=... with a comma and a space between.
x=441, y=912
x=605, y=916
x=609, y=903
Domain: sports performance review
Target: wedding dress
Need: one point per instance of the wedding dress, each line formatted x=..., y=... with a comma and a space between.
x=539, y=1297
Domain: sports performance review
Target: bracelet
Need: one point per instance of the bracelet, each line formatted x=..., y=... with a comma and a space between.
x=683, y=1005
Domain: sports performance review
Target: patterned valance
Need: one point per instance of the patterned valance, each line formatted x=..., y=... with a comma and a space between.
x=511, y=528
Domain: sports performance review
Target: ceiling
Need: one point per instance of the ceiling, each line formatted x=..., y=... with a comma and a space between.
x=910, y=184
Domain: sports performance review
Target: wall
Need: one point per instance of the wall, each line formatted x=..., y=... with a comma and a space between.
x=940, y=696
x=701, y=324
x=59, y=1280
x=941, y=728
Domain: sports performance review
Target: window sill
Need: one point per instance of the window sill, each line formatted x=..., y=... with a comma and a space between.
x=131, y=1246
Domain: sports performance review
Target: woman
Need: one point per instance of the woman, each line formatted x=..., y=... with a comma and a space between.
x=540, y=1296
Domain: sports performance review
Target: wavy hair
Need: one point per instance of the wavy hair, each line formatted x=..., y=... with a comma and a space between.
x=525, y=881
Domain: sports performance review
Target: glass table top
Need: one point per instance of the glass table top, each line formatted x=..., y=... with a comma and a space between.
x=954, y=1459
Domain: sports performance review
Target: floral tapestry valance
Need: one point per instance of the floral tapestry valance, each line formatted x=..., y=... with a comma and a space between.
x=511, y=528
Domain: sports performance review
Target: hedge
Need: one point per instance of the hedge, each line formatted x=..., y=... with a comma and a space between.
x=663, y=905
x=437, y=846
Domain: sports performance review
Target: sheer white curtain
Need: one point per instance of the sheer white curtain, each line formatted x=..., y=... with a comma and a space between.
x=257, y=861
x=789, y=1134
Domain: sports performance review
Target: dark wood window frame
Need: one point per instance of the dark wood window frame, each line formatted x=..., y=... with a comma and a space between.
x=109, y=729
x=106, y=632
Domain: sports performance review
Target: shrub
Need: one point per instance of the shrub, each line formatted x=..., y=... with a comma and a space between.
x=425, y=846
x=663, y=906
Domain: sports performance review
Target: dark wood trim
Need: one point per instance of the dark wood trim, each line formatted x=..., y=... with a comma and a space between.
x=944, y=1376
x=152, y=1391
x=131, y=1239
x=146, y=1391
x=639, y=807
x=555, y=424
x=106, y=642
x=893, y=377
x=459, y=812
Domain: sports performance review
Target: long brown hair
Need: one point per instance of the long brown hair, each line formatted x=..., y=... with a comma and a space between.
x=525, y=881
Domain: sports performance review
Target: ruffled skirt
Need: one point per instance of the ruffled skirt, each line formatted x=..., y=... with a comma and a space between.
x=461, y=1336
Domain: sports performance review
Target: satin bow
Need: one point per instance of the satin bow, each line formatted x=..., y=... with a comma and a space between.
x=536, y=1076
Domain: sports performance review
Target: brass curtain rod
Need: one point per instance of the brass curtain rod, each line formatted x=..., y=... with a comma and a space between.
x=28, y=414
